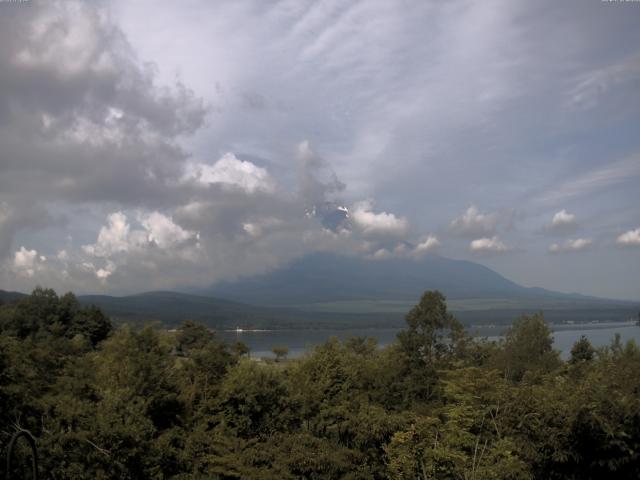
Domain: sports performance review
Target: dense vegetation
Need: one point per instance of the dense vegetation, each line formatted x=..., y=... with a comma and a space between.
x=147, y=403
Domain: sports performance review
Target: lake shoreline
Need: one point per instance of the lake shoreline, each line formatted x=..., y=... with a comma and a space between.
x=553, y=326
x=301, y=341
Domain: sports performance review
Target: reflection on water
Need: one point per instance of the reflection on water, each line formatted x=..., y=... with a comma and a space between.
x=299, y=341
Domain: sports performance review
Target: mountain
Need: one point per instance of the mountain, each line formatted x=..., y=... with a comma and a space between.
x=332, y=216
x=8, y=297
x=171, y=308
x=328, y=290
x=325, y=277
x=334, y=286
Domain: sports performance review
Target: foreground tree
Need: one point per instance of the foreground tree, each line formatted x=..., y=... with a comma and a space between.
x=281, y=352
x=432, y=335
x=528, y=347
x=255, y=402
x=582, y=351
x=43, y=315
x=147, y=403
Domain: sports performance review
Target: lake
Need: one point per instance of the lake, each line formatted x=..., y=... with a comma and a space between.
x=300, y=341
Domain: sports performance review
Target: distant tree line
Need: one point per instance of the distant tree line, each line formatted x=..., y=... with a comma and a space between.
x=105, y=403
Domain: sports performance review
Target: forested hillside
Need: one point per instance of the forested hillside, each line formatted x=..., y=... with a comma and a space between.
x=147, y=403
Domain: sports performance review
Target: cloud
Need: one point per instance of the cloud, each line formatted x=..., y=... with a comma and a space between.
x=19, y=217
x=87, y=127
x=597, y=86
x=84, y=121
x=473, y=223
x=6, y=233
x=231, y=171
x=27, y=262
x=102, y=273
x=402, y=249
x=263, y=226
x=93, y=121
x=630, y=238
x=562, y=222
x=563, y=218
x=596, y=179
x=4, y=213
x=427, y=245
x=112, y=238
x=488, y=245
x=158, y=230
x=119, y=246
x=163, y=232
x=576, y=245
x=317, y=180
x=382, y=224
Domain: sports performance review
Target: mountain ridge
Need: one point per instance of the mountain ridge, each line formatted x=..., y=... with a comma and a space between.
x=324, y=289
x=323, y=277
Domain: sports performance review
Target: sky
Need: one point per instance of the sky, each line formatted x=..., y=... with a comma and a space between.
x=170, y=145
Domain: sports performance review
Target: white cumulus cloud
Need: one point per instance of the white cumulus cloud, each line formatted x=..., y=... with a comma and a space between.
x=27, y=262
x=562, y=218
x=158, y=240
x=472, y=223
x=377, y=223
x=574, y=245
x=488, y=245
x=118, y=237
x=429, y=244
x=562, y=222
x=229, y=170
x=164, y=232
x=112, y=238
x=630, y=238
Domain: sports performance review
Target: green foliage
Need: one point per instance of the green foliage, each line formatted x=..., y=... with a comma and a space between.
x=463, y=437
x=428, y=324
x=528, y=348
x=280, y=351
x=147, y=403
x=255, y=401
x=192, y=336
x=44, y=315
x=582, y=351
x=432, y=337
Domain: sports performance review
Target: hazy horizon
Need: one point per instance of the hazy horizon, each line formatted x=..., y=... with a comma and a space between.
x=148, y=145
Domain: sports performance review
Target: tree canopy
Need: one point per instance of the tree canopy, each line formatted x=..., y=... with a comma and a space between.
x=105, y=402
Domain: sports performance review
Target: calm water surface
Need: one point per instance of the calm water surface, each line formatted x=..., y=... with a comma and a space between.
x=299, y=341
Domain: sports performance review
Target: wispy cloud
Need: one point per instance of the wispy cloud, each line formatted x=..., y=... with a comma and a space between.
x=594, y=86
x=445, y=110
x=615, y=173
